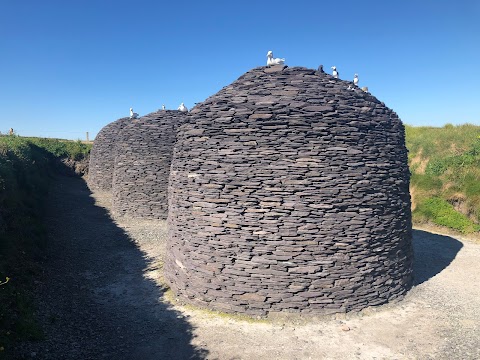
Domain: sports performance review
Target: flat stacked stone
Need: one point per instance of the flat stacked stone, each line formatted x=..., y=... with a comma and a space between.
x=142, y=165
x=100, y=169
x=289, y=192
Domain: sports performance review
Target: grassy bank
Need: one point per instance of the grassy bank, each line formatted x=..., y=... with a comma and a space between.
x=26, y=167
x=445, y=183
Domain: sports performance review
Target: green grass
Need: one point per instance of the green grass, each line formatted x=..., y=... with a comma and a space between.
x=445, y=182
x=441, y=141
x=443, y=213
x=26, y=168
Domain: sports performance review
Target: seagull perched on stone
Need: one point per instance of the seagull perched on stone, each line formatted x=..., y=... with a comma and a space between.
x=271, y=61
x=355, y=80
x=133, y=115
x=182, y=108
x=335, y=72
x=163, y=107
x=365, y=89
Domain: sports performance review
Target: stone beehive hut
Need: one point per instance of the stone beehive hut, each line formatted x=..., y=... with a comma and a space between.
x=100, y=169
x=142, y=164
x=289, y=192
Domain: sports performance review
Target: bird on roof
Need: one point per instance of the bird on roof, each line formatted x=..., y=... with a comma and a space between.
x=182, y=108
x=355, y=80
x=320, y=69
x=335, y=73
x=133, y=115
x=365, y=89
x=163, y=106
x=271, y=61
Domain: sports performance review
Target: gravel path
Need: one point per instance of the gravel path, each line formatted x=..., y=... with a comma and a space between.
x=102, y=297
x=95, y=300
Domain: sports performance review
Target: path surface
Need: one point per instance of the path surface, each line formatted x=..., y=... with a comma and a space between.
x=102, y=297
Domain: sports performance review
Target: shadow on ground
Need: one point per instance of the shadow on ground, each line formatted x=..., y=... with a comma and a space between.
x=433, y=253
x=94, y=301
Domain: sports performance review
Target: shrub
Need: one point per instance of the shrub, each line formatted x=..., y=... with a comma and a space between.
x=75, y=150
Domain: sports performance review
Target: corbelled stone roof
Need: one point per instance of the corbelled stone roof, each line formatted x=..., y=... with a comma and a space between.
x=289, y=192
x=142, y=165
x=100, y=170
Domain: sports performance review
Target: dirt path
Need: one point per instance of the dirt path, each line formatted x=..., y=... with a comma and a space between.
x=102, y=298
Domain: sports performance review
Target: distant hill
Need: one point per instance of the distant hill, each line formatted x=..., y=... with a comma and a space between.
x=445, y=182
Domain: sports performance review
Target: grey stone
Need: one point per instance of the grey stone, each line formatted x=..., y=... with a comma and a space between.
x=295, y=191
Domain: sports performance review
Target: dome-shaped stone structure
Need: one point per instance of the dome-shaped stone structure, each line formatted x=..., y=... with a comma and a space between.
x=143, y=152
x=289, y=192
x=100, y=168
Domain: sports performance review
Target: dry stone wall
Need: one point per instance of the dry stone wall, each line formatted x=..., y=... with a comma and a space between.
x=100, y=169
x=142, y=164
x=289, y=192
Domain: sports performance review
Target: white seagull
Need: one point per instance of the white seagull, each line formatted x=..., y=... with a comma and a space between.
x=355, y=80
x=133, y=115
x=271, y=61
x=163, y=107
x=182, y=108
x=335, y=72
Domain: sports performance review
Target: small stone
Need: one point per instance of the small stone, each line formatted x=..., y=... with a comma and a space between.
x=274, y=69
x=260, y=116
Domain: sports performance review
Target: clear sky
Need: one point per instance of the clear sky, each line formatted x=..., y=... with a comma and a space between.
x=71, y=66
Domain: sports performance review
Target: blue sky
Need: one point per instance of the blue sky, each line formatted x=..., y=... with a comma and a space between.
x=71, y=66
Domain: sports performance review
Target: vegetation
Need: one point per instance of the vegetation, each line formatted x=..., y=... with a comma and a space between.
x=445, y=183
x=445, y=189
x=75, y=150
x=26, y=167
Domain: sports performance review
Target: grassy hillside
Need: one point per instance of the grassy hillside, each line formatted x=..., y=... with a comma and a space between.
x=26, y=167
x=445, y=183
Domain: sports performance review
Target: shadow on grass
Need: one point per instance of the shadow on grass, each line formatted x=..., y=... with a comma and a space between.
x=433, y=253
x=94, y=300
